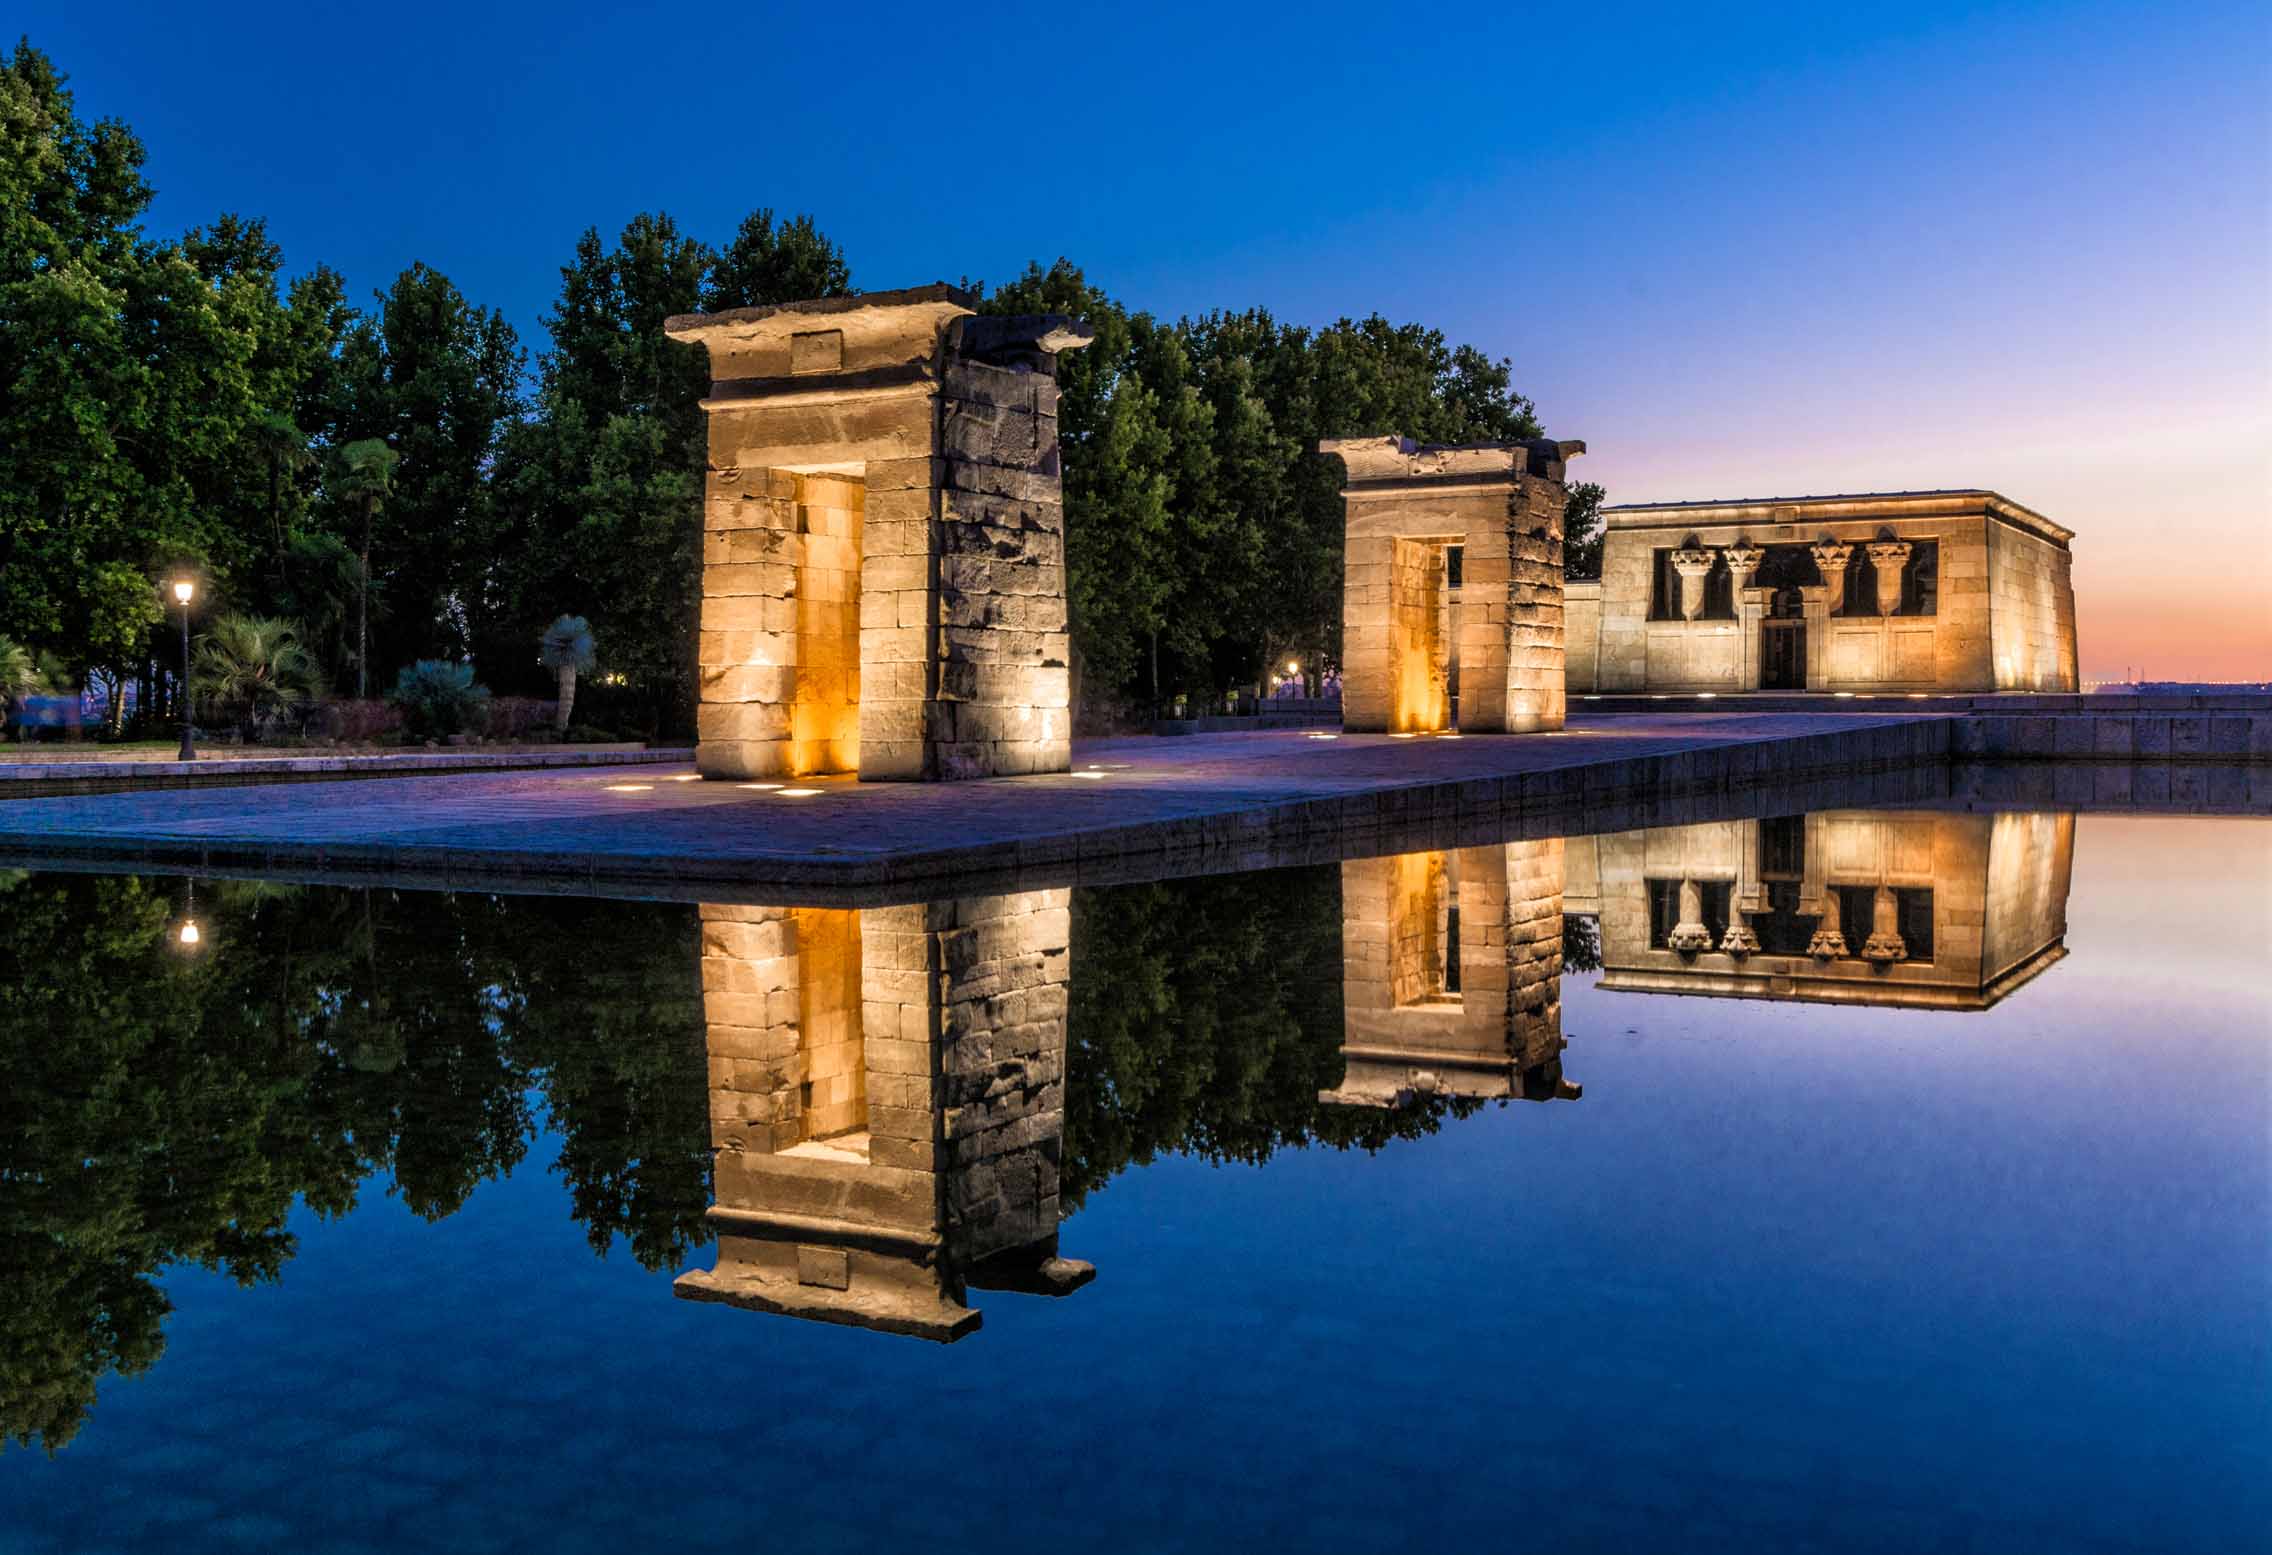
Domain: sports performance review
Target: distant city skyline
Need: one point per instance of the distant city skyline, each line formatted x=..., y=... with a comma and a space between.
x=1768, y=253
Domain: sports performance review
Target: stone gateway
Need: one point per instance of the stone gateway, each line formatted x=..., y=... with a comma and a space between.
x=1452, y=600
x=883, y=549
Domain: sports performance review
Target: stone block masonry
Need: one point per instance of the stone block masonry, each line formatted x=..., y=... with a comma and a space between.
x=883, y=587
x=1408, y=633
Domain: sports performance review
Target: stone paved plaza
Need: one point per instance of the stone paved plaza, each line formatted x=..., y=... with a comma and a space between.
x=1258, y=794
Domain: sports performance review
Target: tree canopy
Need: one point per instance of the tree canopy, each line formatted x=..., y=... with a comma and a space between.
x=183, y=403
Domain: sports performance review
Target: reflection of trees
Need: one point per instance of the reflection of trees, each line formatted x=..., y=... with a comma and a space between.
x=159, y=1108
x=162, y=1108
x=1206, y=1016
x=1581, y=943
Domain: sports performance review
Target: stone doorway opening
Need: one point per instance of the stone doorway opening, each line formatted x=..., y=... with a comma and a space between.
x=1423, y=632
x=813, y=620
x=1424, y=930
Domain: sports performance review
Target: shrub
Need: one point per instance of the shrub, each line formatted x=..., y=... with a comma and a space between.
x=517, y=718
x=355, y=722
x=439, y=698
x=585, y=734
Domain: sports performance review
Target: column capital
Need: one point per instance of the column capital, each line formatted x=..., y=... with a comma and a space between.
x=1693, y=561
x=1889, y=557
x=1743, y=560
x=1832, y=556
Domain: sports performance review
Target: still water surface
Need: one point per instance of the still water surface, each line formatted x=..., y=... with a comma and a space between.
x=359, y=1225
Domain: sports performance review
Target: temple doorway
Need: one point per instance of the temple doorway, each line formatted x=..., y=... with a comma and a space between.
x=1783, y=644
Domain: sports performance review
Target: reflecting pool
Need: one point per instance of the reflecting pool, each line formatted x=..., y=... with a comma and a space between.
x=1856, y=1179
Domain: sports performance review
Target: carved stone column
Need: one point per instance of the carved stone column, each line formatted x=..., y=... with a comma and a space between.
x=1885, y=944
x=1694, y=564
x=1739, y=941
x=1689, y=936
x=1832, y=556
x=1743, y=560
x=1890, y=557
x=1827, y=945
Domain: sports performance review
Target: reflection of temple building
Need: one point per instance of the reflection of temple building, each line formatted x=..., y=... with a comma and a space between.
x=887, y=1103
x=1920, y=908
x=1451, y=975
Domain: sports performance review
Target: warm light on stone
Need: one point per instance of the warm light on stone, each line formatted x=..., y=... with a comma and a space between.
x=883, y=585
x=1412, y=644
x=1934, y=591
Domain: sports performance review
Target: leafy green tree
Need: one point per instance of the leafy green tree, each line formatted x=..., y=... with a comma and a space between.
x=599, y=491
x=766, y=263
x=566, y=648
x=438, y=380
x=363, y=478
x=1582, y=533
x=253, y=668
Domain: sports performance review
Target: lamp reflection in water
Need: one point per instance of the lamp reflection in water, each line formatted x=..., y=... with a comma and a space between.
x=187, y=935
x=887, y=1104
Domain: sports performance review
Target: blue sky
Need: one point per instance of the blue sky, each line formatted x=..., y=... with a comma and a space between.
x=1752, y=251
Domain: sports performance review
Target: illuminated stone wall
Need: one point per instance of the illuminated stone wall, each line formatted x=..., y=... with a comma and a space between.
x=2031, y=612
x=1990, y=891
x=1502, y=504
x=887, y=1106
x=2003, y=614
x=884, y=541
x=1444, y=1003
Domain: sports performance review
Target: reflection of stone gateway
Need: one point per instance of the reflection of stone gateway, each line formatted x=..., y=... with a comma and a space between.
x=887, y=1104
x=883, y=585
x=1451, y=976
x=1453, y=590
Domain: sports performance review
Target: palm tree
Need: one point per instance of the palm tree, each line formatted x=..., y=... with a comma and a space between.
x=365, y=477
x=255, y=667
x=565, y=648
x=285, y=447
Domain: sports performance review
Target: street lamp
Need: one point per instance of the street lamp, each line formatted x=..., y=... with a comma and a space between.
x=184, y=590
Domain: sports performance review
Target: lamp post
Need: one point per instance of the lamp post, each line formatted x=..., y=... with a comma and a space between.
x=183, y=590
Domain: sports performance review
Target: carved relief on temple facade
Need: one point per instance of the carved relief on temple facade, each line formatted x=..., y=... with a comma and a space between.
x=1943, y=591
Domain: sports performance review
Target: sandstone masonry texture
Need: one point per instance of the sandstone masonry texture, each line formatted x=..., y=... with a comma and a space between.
x=1409, y=636
x=1829, y=594
x=883, y=586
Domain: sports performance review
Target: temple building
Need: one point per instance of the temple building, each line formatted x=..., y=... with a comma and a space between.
x=1923, y=591
x=1452, y=599
x=1919, y=908
x=1451, y=968
x=883, y=548
x=887, y=1107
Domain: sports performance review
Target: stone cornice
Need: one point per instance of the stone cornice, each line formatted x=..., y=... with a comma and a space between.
x=1844, y=508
